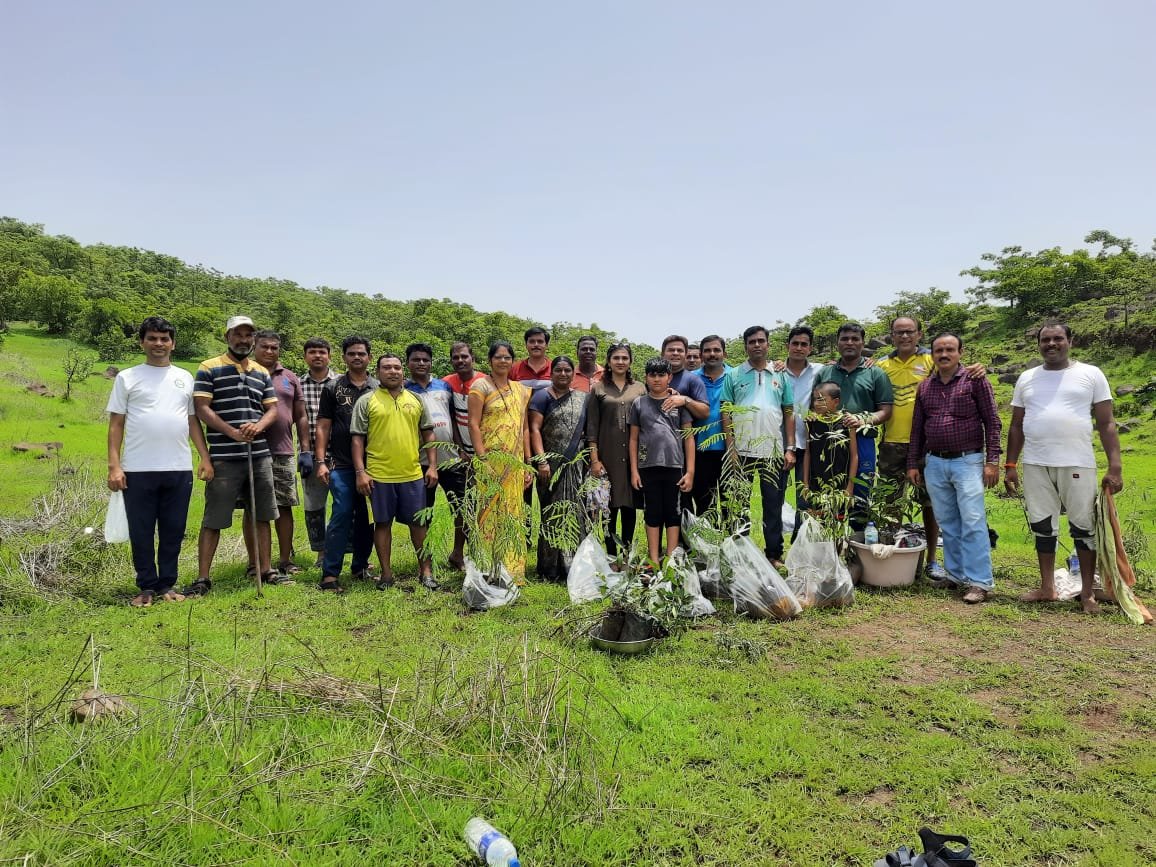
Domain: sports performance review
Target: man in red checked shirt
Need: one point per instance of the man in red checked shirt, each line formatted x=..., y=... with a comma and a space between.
x=955, y=436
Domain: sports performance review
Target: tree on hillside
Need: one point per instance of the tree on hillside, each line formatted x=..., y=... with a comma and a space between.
x=53, y=301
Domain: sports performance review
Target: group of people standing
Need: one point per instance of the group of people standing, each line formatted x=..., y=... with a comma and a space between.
x=375, y=443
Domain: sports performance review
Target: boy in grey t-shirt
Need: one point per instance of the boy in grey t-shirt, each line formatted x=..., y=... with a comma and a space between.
x=661, y=457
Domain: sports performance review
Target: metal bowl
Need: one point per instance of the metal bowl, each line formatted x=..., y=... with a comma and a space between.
x=628, y=648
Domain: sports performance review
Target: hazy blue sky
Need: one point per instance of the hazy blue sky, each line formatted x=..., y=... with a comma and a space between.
x=649, y=166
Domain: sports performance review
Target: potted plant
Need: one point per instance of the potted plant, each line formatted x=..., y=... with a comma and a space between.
x=644, y=607
x=891, y=508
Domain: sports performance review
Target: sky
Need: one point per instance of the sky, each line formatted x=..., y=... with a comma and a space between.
x=652, y=167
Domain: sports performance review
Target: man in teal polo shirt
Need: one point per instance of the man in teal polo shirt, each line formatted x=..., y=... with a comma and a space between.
x=756, y=434
x=866, y=390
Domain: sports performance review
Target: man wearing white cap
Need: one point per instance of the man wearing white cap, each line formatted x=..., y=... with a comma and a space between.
x=234, y=398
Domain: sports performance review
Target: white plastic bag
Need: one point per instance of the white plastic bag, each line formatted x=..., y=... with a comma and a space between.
x=816, y=573
x=699, y=605
x=589, y=570
x=116, y=520
x=482, y=595
x=757, y=589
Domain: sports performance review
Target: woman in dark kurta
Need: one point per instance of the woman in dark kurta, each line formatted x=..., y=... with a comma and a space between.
x=557, y=434
x=608, y=436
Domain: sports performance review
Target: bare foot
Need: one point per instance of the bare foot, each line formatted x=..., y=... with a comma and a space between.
x=142, y=600
x=1039, y=596
x=457, y=563
x=1090, y=606
x=173, y=596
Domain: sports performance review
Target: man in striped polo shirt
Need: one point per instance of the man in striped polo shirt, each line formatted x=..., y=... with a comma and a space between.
x=234, y=398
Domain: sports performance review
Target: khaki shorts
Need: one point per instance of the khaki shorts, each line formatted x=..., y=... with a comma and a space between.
x=285, y=480
x=231, y=483
x=1048, y=490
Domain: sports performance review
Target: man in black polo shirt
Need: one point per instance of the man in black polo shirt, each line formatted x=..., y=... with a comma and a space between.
x=333, y=452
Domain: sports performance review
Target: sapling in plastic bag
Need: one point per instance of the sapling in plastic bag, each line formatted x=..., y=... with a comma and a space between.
x=482, y=592
x=757, y=589
x=684, y=572
x=816, y=573
x=589, y=570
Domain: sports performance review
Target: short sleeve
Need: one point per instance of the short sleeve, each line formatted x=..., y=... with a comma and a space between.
x=634, y=416
x=327, y=403
x=1018, y=391
x=426, y=420
x=203, y=384
x=788, y=393
x=883, y=391
x=359, y=421
x=728, y=388
x=1101, y=391
x=118, y=400
x=268, y=395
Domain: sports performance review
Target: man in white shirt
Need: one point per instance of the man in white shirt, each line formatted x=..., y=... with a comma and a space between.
x=1053, y=408
x=151, y=416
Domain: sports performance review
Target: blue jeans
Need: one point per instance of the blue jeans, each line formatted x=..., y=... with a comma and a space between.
x=348, y=514
x=157, y=505
x=956, y=489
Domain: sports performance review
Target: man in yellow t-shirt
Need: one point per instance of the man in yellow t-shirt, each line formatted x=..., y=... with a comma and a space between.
x=907, y=366
x=389, y=426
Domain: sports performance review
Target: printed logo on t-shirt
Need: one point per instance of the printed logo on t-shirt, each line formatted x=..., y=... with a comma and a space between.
x=179, y=383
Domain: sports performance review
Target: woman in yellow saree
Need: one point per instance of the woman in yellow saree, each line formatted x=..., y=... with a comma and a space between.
x=501, y=438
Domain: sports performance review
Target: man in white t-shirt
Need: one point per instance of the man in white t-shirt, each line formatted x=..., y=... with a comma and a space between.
x=151, y=415
x=1053, y=407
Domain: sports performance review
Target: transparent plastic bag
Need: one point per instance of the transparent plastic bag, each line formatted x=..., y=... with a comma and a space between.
x=757, y=589
x=683, y=568
x=694, y=534
x=482, y=594
x=589, y=570
x=816, y=573
x=116, y=519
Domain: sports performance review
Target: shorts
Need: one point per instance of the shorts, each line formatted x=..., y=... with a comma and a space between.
x=1047, y=490
x=892, y=464
x=230, y=484
x=661, y=496
x=285, y=480
x=397, y=501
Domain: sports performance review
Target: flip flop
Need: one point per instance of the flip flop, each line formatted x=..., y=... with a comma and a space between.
x=331, y=587
x=143, y=599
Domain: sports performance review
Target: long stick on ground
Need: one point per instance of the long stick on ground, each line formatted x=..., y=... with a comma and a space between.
x=253, y=516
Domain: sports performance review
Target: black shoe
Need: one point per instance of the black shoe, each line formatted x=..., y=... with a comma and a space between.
x=198, y=588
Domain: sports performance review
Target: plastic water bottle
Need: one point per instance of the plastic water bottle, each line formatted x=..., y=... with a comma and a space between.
x=1074, y=564
x=870, y=534
x=490, y=844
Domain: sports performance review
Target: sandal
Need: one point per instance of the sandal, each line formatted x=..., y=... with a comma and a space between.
x=277, y=579
x=936, y=853
x=331, y=586
x=198, y=588
x=289, y=568
x=143, y=599
x=902, y=857
x=251, y=570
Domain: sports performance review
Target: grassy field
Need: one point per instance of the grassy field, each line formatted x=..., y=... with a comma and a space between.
x=307, y=729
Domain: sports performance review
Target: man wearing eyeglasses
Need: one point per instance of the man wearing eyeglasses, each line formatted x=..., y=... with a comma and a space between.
x=907, y=365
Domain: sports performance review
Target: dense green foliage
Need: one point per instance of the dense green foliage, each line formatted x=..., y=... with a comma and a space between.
x=98, y=294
